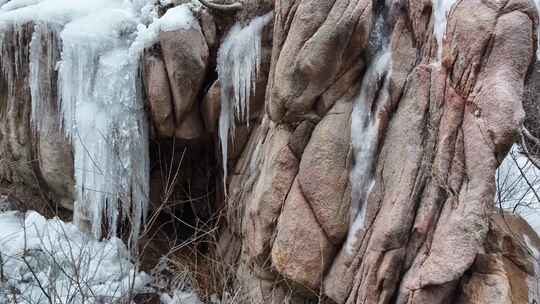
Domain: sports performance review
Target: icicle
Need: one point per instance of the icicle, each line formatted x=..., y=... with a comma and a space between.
x=440, y=16
x=238, y=63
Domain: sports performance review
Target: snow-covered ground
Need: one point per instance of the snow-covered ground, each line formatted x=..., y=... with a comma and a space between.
x=44, y=261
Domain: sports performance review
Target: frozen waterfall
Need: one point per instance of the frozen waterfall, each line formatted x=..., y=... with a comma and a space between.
x=87, y=43
x=107, y=126
x=238, y=63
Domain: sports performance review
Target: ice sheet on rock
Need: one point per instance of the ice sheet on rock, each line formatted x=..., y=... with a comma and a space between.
x=238, y=63
x=365, y=129
x=441, y=9
x=70, y=266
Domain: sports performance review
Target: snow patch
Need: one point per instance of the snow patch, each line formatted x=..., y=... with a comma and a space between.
x=180, y=297
x=49, y=258
x=238, y=64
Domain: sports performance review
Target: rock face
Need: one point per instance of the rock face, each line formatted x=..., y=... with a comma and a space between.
x=444, y=124
x=433, y=120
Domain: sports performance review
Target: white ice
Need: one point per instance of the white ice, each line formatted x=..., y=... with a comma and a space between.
x=238, y=64
x=43, y=258
x=441, y=9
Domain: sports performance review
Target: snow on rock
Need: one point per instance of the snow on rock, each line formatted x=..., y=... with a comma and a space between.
x=176, y=18
x=238, y=63
x=54, y=11
x=46, y=261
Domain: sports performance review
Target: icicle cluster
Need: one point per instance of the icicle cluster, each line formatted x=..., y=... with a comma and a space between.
x=99, y=100
x=238, y=63
x=440, y=16
x=105, y=124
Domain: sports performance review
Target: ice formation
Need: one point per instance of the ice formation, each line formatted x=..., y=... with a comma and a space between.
x=49, y=258
x=107, y=126
x=238, y=63
x=440, y=15
x=44, y=54
x=371, y=101
x=176, y=18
